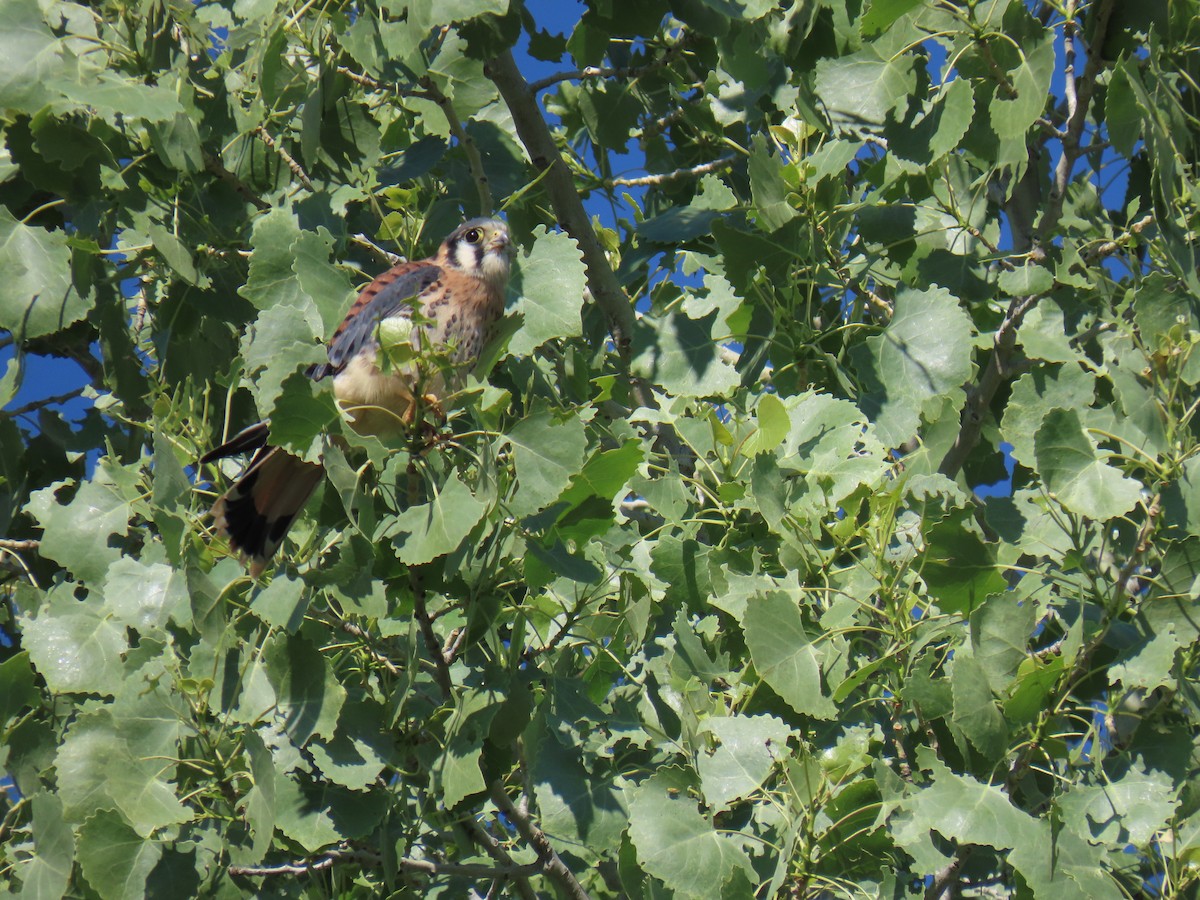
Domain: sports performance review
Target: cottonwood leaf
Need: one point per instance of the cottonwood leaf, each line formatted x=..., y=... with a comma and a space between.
x=77, y=652
x=549, y=283
x=1071, y=469
x=1129, y=809
x=784, y=655
x=923, y=355
x=115, y=859
x=37, y=294
x=47, y=871
x=548, y=454
x=678, y=845
x=747, y=747
x=308, y=693
x=681, y=354
x=425, y=532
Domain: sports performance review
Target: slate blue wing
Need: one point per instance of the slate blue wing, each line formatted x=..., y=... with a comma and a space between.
x=389, y=295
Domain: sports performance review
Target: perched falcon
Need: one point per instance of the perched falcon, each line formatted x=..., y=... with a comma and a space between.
x=446, y=306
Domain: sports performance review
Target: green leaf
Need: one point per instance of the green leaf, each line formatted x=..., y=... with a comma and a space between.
x=882, y=13
x=115, y=859
x=33, y=63
x=677, y=844
x=1027, y=280
x=681, y=355
x=317, y=814
x=113, y=97
x=963, y=809
x=17, y=686
x=549, y=282
x=936, y=131
x=145, y=597
x=959, y=568
x=773, y=425
x=785, y=655
x=309, y=694
x=1000, y=632
x=38, y=296
x=1013, y=113
x=171, y=249
x=359, y=751
x=76, y=535
x=99, y=769
x=47, y=871
x=301, y=413
x=860, y=90
x=747, y=748
x=768, y=187
x=548, y=455
x=282, y=603
x=584, y=812
x=923, y=355
x=76, y=652
x=975, y=712
x=1068, y=464
x=1121, y=111
x=1130, y=809
x=434, y=529
x=281, y=343
x=1150, y=664
x=327, y=285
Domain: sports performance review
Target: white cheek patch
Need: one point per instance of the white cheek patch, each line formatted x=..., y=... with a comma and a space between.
x=466, y=256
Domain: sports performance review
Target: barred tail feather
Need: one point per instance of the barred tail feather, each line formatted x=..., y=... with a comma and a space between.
x=256, y=513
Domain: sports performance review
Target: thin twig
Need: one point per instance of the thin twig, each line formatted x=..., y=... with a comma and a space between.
x=629, y=72
x=217, y=168
x=1078, y=92
x=979, y=398
x=492, y=847
x=553, y=866
x=676, y=175
x=365, y=857
x=392, y=259
x=34, y=405
x=296, y=168
x=469, y=147
x=560, y=185
x=453, y=644
x=9, y=544
x=361, y=633
x=945, y=880
x=1108, y=248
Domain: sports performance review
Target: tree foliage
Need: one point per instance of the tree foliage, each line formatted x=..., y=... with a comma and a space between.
x=696, y=593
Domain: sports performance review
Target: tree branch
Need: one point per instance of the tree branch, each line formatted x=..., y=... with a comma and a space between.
x=554, y=868
x=492, y=847
x=470, y=148
x=34, y=405
x=369, y=858
x=630, y=72
x=979, y=397
x=1078, y=92
x=663, y=178
x=10, y=544
x=217, y=168
x=945, y=880
x=289, y=161
x=568, y=208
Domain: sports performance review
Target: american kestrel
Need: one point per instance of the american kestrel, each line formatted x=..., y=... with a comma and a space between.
x=447, y=307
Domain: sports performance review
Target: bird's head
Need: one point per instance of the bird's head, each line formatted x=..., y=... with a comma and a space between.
x=480, y=247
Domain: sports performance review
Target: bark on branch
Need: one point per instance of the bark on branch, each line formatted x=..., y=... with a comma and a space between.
x=568, y=208
x=553, y=867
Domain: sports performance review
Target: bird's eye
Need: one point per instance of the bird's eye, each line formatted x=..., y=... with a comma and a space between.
x=474, y=236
